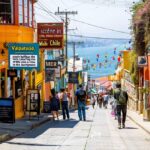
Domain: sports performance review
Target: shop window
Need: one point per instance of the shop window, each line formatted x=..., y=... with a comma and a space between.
x=6, y=11
x=21, y=12
x=30, y=13
x=26, y=12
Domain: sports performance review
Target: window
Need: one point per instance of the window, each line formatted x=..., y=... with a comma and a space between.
x=26, y=12
x=20, y=12
x=30, y=13
x=6, y=11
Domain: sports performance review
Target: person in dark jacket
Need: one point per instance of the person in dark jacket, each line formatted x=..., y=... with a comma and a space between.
x=54, y=104
x=121, y=102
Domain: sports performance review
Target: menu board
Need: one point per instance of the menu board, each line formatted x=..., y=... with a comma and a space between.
x=7, y=110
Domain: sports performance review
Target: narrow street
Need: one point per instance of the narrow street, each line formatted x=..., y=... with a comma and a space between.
x=99, y=132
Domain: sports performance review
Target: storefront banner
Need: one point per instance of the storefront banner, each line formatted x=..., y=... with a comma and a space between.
x=23, y=56
x=73, y=77
x=50, y=35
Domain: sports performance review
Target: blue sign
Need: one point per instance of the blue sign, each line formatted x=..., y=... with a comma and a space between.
x=7, y=110
x=23, y=56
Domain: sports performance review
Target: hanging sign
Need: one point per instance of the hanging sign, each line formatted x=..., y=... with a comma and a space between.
x=142, y=61
x=23, y=56
x=51, y=64
x=50, y=35
x=7, y=110
x=49, y=75
x=12, y=73
x=73, y=77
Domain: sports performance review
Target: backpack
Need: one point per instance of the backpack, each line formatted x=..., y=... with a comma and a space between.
x=81, y=95
x=122, y=98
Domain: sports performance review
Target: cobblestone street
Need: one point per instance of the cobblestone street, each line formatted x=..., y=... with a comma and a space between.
x=98, y=132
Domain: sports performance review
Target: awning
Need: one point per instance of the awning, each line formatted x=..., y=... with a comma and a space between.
x=93, y=91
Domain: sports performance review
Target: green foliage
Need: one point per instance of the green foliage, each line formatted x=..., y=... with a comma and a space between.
x=137, y=6
x=133, y=67
x=145, y=90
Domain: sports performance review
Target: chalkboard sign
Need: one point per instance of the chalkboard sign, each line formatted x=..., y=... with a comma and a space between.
x=33, y=101
x=7, y=110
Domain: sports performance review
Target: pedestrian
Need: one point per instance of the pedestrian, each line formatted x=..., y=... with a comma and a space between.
x=54, y=104
x=100, y=100
x=65, y=108
x=121, y=101
x=93, y=100
x=105, y=100
x=81, y=101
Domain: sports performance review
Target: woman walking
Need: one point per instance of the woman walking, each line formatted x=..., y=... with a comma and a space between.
x=54, y=104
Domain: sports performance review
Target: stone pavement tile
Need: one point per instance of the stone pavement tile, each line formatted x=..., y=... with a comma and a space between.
x=75, y=141
x=69, y=147
x=138, y=119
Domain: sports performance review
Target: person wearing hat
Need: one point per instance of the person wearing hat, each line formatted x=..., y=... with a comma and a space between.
x=81, y=100
x=121, y=102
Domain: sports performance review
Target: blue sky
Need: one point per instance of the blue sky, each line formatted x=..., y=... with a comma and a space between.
x=113, y=14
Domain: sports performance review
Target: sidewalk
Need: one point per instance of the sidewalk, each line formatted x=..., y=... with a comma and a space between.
x=8, y=131
x=138, y=119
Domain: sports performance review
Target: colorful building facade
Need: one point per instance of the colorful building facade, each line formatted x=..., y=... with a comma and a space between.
x=17, y=26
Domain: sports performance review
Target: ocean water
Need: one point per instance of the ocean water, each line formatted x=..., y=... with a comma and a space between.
x=103, y=65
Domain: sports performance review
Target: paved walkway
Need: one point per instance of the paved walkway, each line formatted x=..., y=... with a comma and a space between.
x=99, y=132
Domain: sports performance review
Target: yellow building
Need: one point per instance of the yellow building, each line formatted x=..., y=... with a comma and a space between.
x=17, y=26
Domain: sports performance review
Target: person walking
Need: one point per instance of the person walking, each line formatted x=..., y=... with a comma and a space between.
x=54, y=104
x=65, y=108
x=121, y=102
x=93, y=100
x=105, y=100
x=100, y=100
x=81, y=101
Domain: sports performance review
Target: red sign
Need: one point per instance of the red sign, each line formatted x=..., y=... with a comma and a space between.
x=50, y=35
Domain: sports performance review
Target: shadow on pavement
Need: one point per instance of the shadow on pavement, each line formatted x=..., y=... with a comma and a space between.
x=30, y=144
x=47, y=126
x=130, y=128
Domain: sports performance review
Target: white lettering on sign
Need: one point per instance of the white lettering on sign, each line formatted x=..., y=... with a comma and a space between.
x=23, y=61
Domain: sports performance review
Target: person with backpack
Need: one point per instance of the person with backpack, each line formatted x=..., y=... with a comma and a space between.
x=81, y=101
x=121, y=102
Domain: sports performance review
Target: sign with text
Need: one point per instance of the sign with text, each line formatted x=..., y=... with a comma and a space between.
x=50, y=35
x=12, y=73
x=23, y=56
x=142, y=61
x=58, y=72
x=73, y=77
x=49, y=75
x=51, y=64
x=33, y=100
x=7, y=110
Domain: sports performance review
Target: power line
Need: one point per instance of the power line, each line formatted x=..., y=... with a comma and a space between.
x=83, y=36
x=96, y=26
x=100, y=27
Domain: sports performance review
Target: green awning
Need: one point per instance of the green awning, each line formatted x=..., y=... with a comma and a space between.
x=93, y=91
